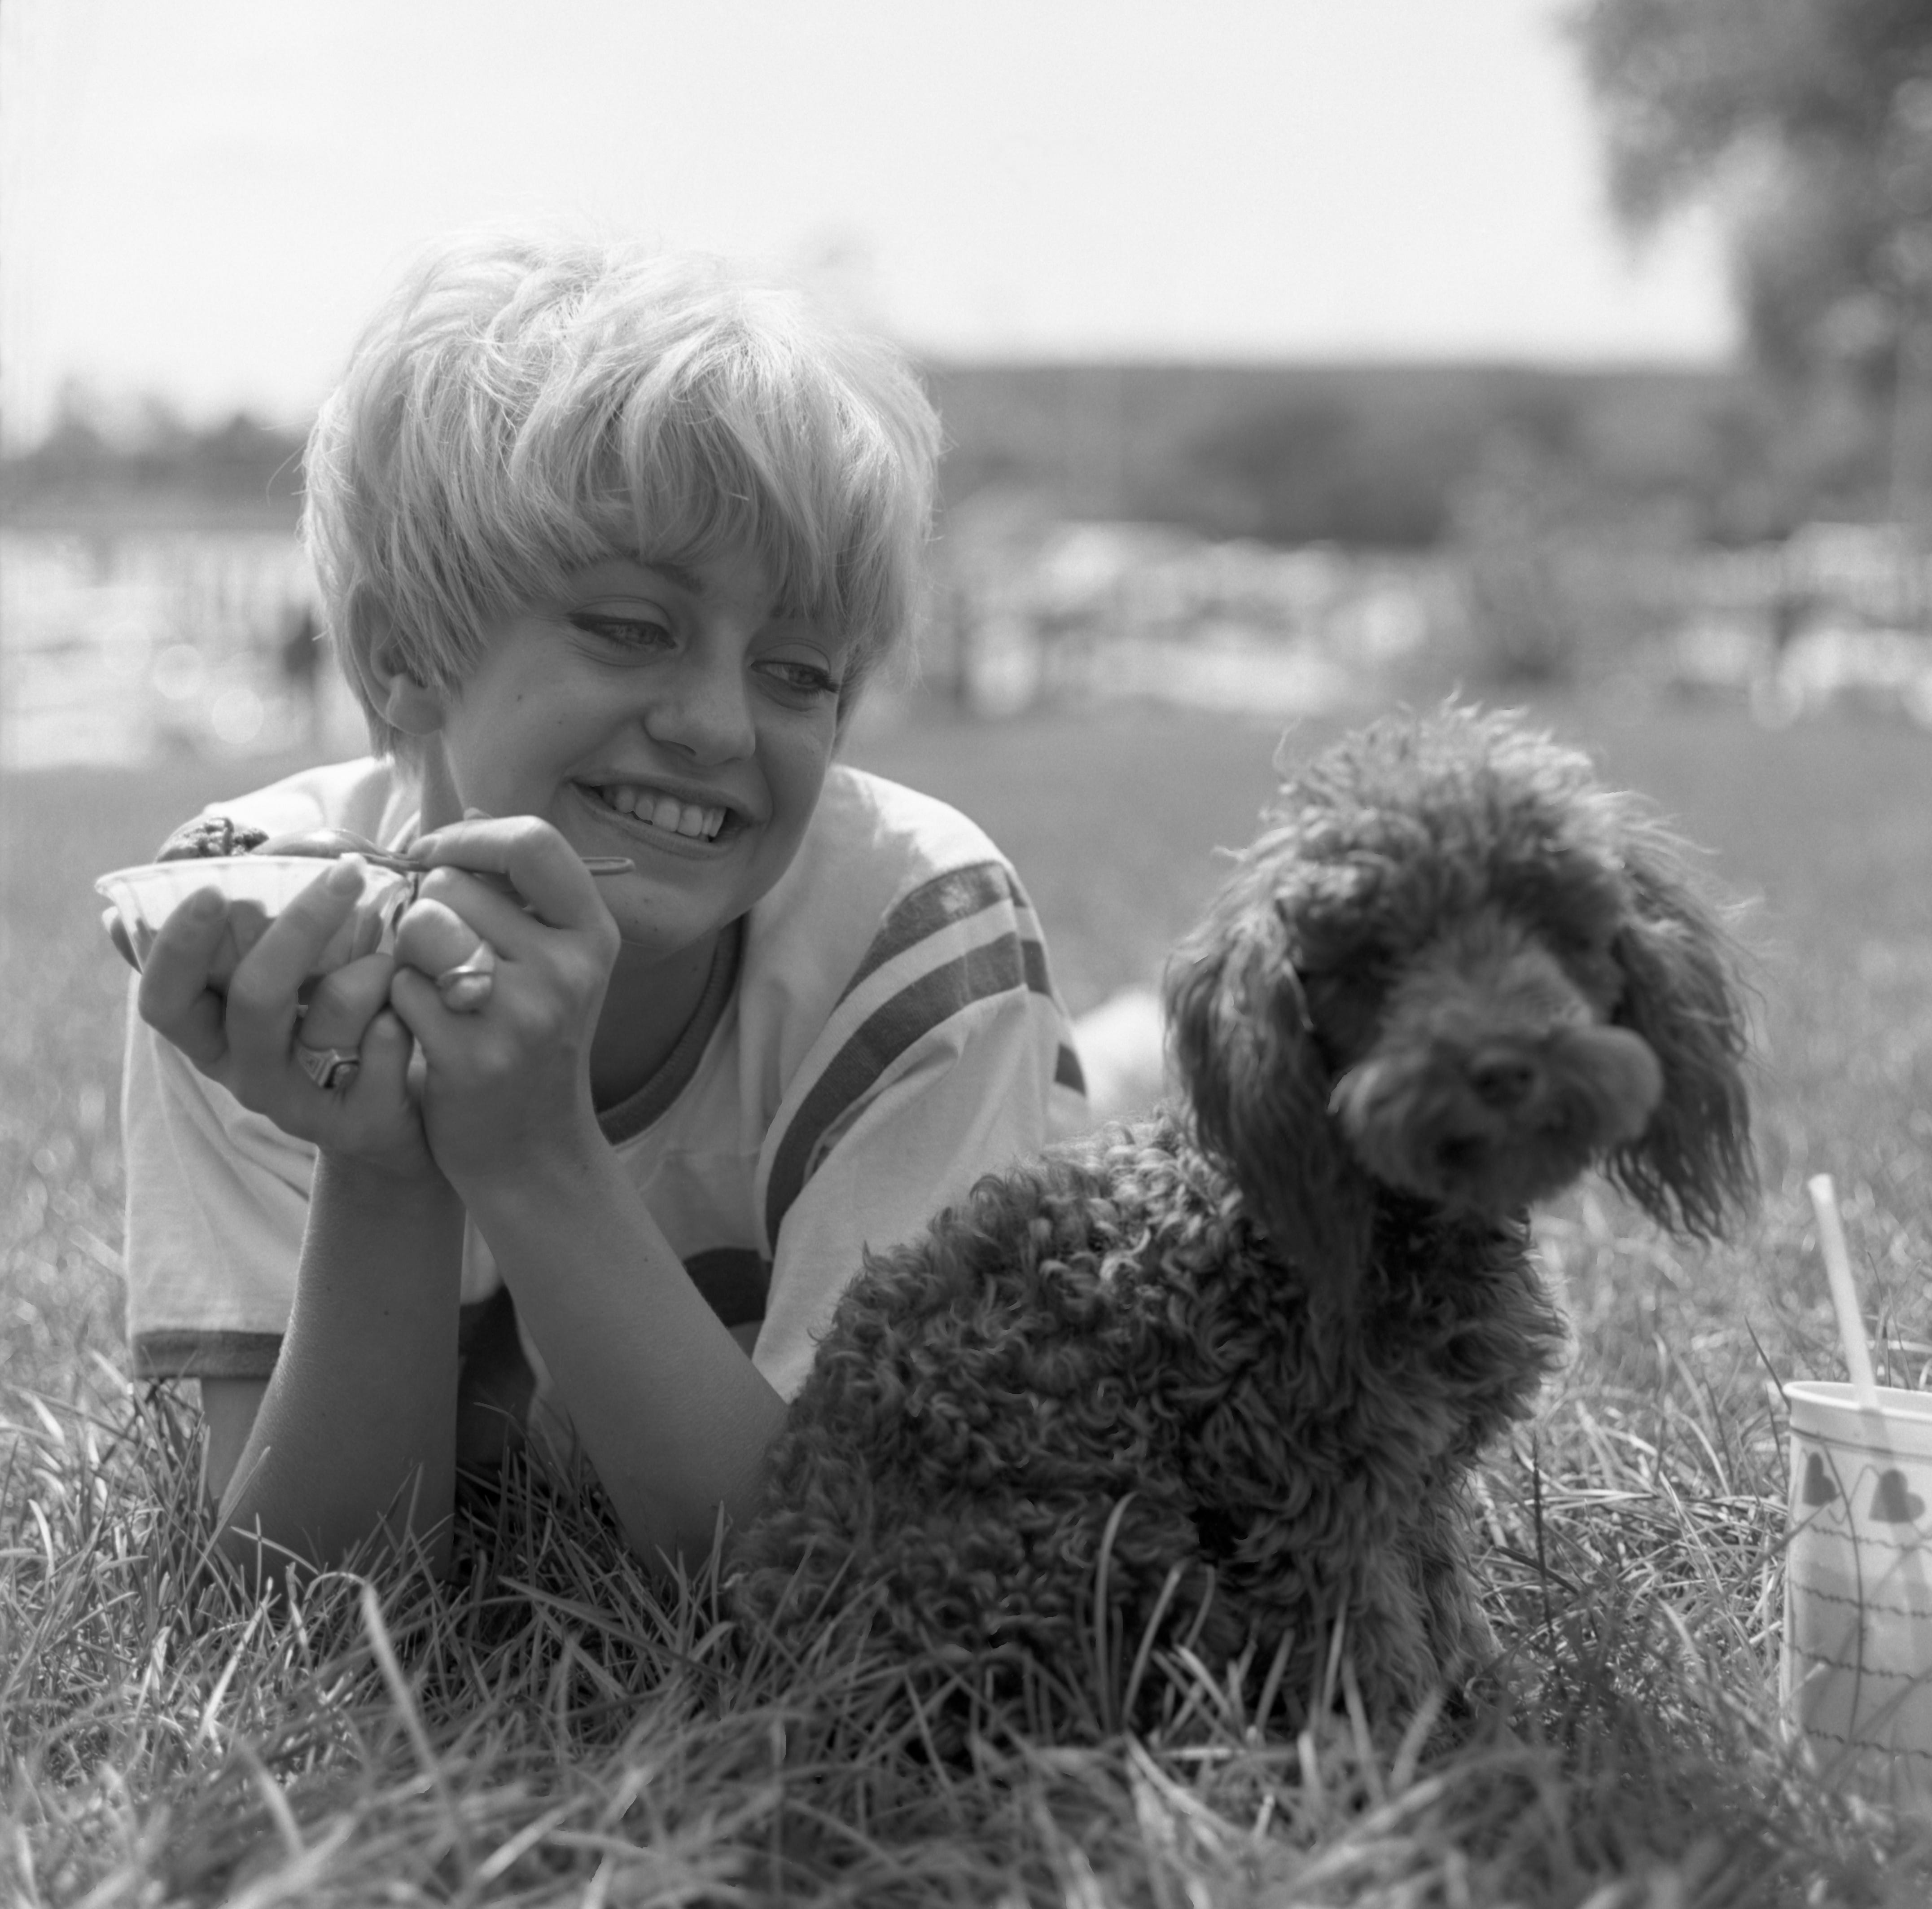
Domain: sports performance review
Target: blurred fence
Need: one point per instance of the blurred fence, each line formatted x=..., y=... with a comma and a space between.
x=1839, y=613
x=1027, y=610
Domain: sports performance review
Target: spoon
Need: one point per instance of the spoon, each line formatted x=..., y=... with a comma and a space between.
x=330, y=845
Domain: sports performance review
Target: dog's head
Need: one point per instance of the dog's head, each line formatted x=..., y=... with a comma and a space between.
x=1456, y=966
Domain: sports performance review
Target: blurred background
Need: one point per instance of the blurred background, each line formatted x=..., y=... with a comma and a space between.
x=1293, y=356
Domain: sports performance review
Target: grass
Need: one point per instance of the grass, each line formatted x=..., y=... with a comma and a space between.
x=550, y=1728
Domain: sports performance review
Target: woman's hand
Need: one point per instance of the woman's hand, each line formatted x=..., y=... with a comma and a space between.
x=508, y=1085
x=335, y=1071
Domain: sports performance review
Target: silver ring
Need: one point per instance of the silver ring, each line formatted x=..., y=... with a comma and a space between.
x=329, y=1067
x=466, y=987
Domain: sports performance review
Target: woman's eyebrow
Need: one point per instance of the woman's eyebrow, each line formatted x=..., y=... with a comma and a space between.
x=673, y=572
x=784, y=607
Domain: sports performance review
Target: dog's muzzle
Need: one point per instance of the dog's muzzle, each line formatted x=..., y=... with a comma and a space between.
x=1499, y=1124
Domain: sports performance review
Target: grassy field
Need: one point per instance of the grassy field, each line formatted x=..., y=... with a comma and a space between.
x=551, y=1728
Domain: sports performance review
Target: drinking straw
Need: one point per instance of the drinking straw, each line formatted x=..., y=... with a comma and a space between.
x=1844, y=1293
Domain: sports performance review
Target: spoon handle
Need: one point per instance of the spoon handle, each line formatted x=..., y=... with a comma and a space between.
x=382, y=858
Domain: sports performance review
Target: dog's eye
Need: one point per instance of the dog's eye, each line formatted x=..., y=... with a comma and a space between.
x=1594, y=969
x=1344, y=1008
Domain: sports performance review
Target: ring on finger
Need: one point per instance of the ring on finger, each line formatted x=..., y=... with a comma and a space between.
x=466, y=986
x=329, y=1067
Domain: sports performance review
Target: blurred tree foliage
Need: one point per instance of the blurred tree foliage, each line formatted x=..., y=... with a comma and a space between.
x=99, y=458
x=1807, y=124
x=1383, y=455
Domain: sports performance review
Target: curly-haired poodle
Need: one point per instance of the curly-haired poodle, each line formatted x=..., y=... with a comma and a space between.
x=1219, y=1376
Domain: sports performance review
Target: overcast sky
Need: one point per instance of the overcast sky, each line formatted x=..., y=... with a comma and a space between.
x=205, y=198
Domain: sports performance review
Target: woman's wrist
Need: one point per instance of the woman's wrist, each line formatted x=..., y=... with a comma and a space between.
x=554, y=1167
x=412, y=1173
x=352, y=1200
x=548, y=1158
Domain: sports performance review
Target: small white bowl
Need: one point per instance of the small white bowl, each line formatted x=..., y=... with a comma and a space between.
x=146, y=896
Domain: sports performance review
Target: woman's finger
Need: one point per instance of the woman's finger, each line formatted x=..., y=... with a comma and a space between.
x=385, y=1053
x=332, y=1040
x=421, y=1007
x=342, y=1005
x=248, y=922
x=549, y=877
x=174, y=998
x=436, y=940
x=432, y=936
x=345, y=1001
x=494, y=913
x=261, y=998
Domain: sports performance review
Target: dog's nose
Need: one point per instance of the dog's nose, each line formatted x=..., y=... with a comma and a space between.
x=1503, y=1078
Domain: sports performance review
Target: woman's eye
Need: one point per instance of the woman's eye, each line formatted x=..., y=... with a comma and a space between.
x=630, y=629
x=803, y=679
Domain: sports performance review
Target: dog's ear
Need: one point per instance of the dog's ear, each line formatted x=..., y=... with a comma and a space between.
x=1247, y=1054
x=1692, y=1167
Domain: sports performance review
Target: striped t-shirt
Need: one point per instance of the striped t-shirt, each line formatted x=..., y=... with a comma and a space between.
x=882, y=1031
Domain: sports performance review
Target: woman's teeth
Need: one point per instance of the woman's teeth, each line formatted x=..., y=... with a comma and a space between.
x=665, y=811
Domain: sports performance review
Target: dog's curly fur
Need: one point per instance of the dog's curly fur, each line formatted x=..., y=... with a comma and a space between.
x=1224, y=1371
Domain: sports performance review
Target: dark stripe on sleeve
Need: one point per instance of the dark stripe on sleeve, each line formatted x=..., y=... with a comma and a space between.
x=956, y=895
x=186, y=1353
x=998, y=968
x=734, y=1281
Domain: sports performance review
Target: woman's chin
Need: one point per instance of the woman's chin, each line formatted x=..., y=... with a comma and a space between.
x=652, y=941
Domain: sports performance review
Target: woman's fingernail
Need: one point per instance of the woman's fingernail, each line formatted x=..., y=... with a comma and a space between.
x=477, y=815
x=204, y=905
x=346, y=878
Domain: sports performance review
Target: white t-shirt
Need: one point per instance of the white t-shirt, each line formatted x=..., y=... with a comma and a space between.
x=885, y=1031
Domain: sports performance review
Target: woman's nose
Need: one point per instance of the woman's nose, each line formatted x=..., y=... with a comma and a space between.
x=701, y=707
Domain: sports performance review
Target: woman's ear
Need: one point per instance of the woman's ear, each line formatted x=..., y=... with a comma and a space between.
x=377, y=654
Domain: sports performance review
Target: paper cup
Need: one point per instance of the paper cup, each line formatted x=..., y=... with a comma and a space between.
x=1857, y=1673
x=146, y=896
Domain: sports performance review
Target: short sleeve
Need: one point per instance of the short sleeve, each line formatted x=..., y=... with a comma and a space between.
x=217, y=1206
x=217, y=1200
x=216, y=1196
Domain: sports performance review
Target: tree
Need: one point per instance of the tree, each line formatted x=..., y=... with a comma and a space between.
x=1809, y=124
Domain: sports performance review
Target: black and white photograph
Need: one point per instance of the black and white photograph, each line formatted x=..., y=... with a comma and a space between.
x=966, y=954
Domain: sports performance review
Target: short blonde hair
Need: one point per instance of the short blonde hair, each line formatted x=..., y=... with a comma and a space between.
x=520, y=408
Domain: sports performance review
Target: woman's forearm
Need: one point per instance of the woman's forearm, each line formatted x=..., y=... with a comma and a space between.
x=356, y=1437
x=671, y=1411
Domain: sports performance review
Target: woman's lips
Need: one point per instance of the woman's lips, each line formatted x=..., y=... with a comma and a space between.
x=661, y=818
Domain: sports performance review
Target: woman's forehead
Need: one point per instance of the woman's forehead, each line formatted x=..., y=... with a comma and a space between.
x=698, y=573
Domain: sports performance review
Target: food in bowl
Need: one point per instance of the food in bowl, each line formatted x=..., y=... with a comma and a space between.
x=208, y=837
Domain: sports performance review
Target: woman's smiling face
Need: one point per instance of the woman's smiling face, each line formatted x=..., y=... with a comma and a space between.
x=672, y=713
